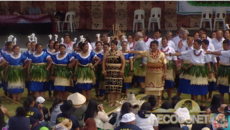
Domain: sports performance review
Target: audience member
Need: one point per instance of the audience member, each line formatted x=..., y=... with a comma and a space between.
x=175, y=100
x=55, y=110
x=152, y=101
x=66, y=124
x=125, y=108
x=90, y=124
x=215, y=103
x=127, y=122
x=34, y=9
x=3, y=112
x=40, y=101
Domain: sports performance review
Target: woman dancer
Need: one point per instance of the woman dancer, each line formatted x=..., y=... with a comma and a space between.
x=38, y=70
x=15, y=73
x=61, y=72
x=84, y=70
x=128, y=68
x=113, y=66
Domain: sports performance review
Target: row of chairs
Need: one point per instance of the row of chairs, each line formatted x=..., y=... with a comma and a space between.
x=207, y=16
x=69, y=17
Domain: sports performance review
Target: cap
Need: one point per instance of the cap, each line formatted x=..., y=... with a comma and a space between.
x=129, y=117
x=40, y=100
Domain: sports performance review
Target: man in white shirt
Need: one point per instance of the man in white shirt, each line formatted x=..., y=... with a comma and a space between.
x=183, y=40
x=147, y=39
x=217, y=42
x=210, y=46
x=177, y=38
x=170, y=42
x=202, y=31
x=157, y=36
x=93, y=43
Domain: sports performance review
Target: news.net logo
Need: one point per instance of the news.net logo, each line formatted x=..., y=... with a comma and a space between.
x=181, y=119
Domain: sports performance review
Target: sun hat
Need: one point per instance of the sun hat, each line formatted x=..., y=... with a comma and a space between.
x=67, y=107
x=132, y=99
x=221, y=109
x=77, y=98
x=40, y=100
x=128, y=117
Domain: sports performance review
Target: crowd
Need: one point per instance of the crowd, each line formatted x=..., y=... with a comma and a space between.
x=195, y=63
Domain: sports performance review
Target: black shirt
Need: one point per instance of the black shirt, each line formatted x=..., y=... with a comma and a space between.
x=128, y=127
x=34, y=115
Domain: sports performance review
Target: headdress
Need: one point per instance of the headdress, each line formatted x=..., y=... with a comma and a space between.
x=75, y=40
x=55, y=37
x=32, y=38
x=50, y=36
x=98, y=36
x=11, y=38
x=108, y=39
x=62, y=40
x=82, y=39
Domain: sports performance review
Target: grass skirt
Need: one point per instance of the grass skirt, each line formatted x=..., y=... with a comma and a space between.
x=85, y=77
x=15, y=79
x=127, y=77
x=38, y=73
x=223, y=75
x=139, y=70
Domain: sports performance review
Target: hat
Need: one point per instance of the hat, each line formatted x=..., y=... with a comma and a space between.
x=40, y=100
x=183, y=114
x=132, y=99
x=66, y=124
x=221, y=109
x=32, y=38
x=67, y=107
x=98, y=36
x=12, y=38
x=205, y=128
x=129, y=117
x=77, y=98
x=55, y=37
x=227, y=109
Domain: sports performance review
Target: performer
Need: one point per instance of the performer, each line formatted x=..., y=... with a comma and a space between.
x=223, y=74
x=171, y=66
x=62, y=72
x=84, y=69
x=15, y=73
x=113, y=66
x=157, y=37
x=198, y=70
x=128, y=69
x=75, y=48
x=98, y=69
x=212, y=80
x=68, y=43
x=147, y=39
x=156, y=70
x=56, y=47
x=139, y=65
x=131, y=42
x=38, y=70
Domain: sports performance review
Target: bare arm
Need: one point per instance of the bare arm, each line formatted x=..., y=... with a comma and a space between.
x=76, y=66
x=175, y=54
x=131, y=64
x=42, y=115
x=103, y=62
x=155, y=127
x=6, y=112
x=175, y=62
x=3, y=62
x=214, y=52
x=72, y=62
x=122, y=62
x=25, y=65
x=7, y=66
x=28, y=68
x=97, y=59
x=215, y=65
x=49, y=63
x=52, y=69
x=134, y=52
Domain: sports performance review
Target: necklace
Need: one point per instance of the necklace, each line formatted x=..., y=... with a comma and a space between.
x=164, y=51
x=155, y=55
x=113, y=52
x=194, y=51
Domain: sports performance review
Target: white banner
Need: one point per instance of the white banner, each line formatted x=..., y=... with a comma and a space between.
x=184, y=8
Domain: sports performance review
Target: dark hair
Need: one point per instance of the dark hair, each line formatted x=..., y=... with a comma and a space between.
x=191, y=35
x=106, y=44
x=166, y=105
x=56, y=101
x=27, y=103
x=15, y=47
x=62, y=46
x=123, y=42
x=37, y=45
x=195, y=33
x=152, y=100
x=67, y=34
x=27, y=43
x=33, y=42
x=91, y=110
x=198, y=41
x=55, y=44
x=213, y=31
x=157, y=30
x=145, y=32
x=50, y=41
x=146, y=107
x=175, y=100
x=164, y=38
x=203, y=29
x=74, y=44
x=154, y=42
x=8, y=44
x=226, y=41
x=98, y=42
x=20, y=111
x=215, y=103
x=82, y=45
x=129, y=35
x=206, y=42
x=114, y=42
x=79, y=45
x=86, y=38
x=125, y=108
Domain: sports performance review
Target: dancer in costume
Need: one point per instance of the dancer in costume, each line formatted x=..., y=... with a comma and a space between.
x=98, y=69
x=15, y=73
x=213, y=63
x=184, y=77
x=198, y=70
x=62, y=72
x=96, y=39
x=131, y=42
x=156, y=70
x=128, y=69
x=171, y=66
x=38, y=70
x=139, y=64
x=113, y=66
x=223, y=74
x=84, y=69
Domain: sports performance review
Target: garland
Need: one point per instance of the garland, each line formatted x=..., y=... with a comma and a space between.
x=199, y=71
x=15, y=73
x=164, y=51
x=39, y=73
x=194, y=52
x=84, y=72
x=63, y=71
x=209, y=3
x=155, y=55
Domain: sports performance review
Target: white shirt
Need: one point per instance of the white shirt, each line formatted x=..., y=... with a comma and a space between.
x=131, y=46
x=212, y=57
x=172, y=44
x=119, y=47
x=218, y=44
x=93, y=44
x=200, y=58
x=184, y=43
x=211, y=46
x=168, y=50
x=69, y=47
x=147, y=41
x=176, y=40
x=159, y=41
x=224, y=57
x=185, y=48
x=146, y=123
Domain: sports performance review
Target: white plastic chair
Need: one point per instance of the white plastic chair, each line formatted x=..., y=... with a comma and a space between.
x=57, y=24
x=69, y=17
x=206, y=16
x=220, y=16
x=155, y=18
x=139, y=13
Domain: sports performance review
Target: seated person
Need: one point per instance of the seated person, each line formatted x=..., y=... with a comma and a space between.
x=127, y=122
x=34, y=9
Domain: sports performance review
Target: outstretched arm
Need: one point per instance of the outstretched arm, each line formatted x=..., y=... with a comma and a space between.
x=134, y=52
x=213, y=52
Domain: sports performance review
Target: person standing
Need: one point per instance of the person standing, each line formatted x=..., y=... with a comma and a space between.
x=156, y=70
x=146, y=38
x=157, y=37
x=113, y=66
x=218, y=41
x=68, y=43
x=139, y=64
x=131, y=42
x=34, y=9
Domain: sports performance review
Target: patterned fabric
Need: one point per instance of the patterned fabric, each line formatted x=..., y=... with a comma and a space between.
x=113, y=82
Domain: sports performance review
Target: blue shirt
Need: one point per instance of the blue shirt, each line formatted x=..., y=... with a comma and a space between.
x=61, y=117
x=34, y=115
x=19, y=123
x=35, y=10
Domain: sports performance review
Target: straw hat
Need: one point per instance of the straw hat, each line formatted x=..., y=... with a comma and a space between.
x=77, y=98
x=221, y=109
x=132, y=99
x=66, y=124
